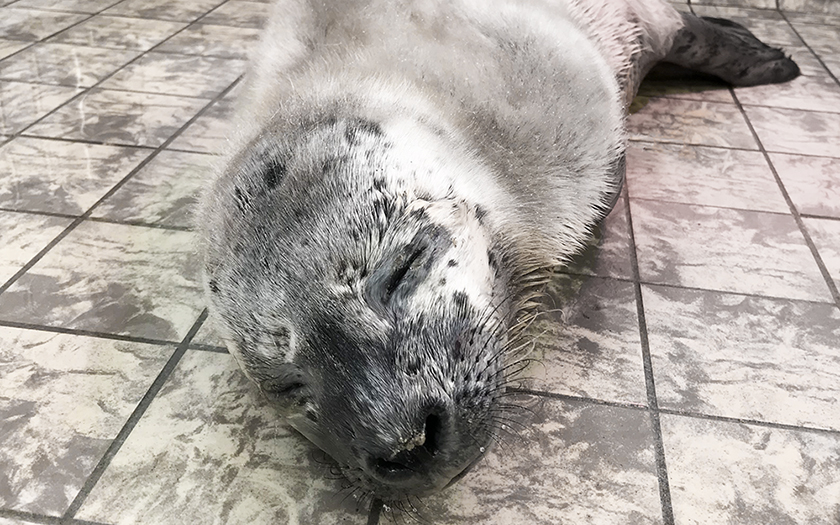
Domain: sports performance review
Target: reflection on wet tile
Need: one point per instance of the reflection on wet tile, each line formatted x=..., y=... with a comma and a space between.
x=733, y=473
x=745, y=357
x=120, y=117
x=177, y=75
x=163, y=192
x=805, y=92
x=112, y=278
x=61, y=177
x=691, y=122
x=7, y=47
x=239, y=14
x=182, y=11
x=813, y=183
x=73, y=6
x=22, y=103
x=572, y=462
x=826, y=236
x=211, y=132
x=795, y=131
x=588, y=344
x=64, y=399
x=212, y=40
x=119, y=32
x=22, y=236
x=64, y=64
x=209, y=447
x=607, y=254
x=726, y=250
x=31, y=24
x=703, y=175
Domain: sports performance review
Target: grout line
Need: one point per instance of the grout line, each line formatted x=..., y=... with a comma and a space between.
x=754, y=422
x=806, y=44
x=584, y=399
x=118, y=90
x=98, y=219
x=815, y=216
x=829, y=281
x=114, y=189
x=650, y=386
x=86, y=333
x=712, y=206
x=133, y=419
x=89, y=141
x=654, y=142
x=32, y=517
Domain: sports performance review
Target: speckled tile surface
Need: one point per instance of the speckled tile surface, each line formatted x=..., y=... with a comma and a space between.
x=697, y=335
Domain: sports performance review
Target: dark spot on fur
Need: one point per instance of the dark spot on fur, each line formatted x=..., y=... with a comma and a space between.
x=378, y=184
x=491, y=259
x=242, y=199
x=452, y=263
x=274, y=173
x=214, y=286
x=442, y=282
x=460, y=299
x=480, y=212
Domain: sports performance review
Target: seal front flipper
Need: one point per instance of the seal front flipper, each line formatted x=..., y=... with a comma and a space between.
x=728, y=50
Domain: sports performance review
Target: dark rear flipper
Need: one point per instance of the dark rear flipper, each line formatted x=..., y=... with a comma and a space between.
x=729, y=51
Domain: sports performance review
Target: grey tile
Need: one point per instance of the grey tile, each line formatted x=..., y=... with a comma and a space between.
x=209, y=333
x=64, y=64
x=112, y=278
x=212, y=131
x=177, y=75
x=72, y=6
x=119, y=32
x=796, y=131
x=163, y=192
x=826, y=236
x=210, y=448
x=32, y=24
x=588, y=343
x=10, y=521
x=61, y=177
x=21, y=103
x=690, y=122
x=571, y=463
x=694, y=89
x=797, y=18
x=756, y=5
x=7, y=47
x=181, y=11
x=120, y=117
x=813, y=183
x=65, y=398
x=814, y=93
x=745, y=357
x=766, y=24
x=702, y=175
x=733, y=473
x=725, y=250
x=829, y=7
x=823, y=39
x=213, y=40
x=22, y=236
x=607, y=253
x=239, y=14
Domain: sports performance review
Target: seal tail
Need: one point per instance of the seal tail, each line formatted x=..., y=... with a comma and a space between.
x=730, y=51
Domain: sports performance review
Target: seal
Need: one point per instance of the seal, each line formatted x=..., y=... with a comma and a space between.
x=403, y=177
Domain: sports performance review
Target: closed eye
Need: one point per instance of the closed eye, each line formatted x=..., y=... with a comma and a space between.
x=403, y=266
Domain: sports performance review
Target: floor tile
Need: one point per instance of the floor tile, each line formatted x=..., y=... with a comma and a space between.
x=702, y=175
x=813, y=183
x=588, y=345
x=10, y=521
x=824, y=39
x=795, y=131
x=766, y=24
x=212, y=131
x=181, y=11
x=163, y=192
x=64, y=64
x=213, y=40
x=182, y=75
x=733, y=473
x=607, y=254
x=725, y=250
x=65, y=397
x=112, y=278
x=239, y=14
x=61, y=177
x=805, y=92
x=21, y=103
x=120, y=117
x=691, y=122
x=22, y=236
x=745, y=357
x=731, y=8
x=797, y=18
x=689, y=89
x=826, y=236
x=7, y=47
x=573, y=463
x=73, y=6
x=119, y=32
x=209, y=447
x=32, y=25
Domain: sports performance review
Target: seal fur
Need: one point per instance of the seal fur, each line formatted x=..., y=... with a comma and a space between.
x=402, y=175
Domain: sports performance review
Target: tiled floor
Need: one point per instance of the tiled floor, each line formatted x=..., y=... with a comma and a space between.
x=690, y=368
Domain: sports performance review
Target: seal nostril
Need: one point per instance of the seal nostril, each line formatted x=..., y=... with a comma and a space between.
x=433, y=431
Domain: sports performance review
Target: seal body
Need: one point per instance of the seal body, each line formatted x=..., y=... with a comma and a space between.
x=401, y=175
